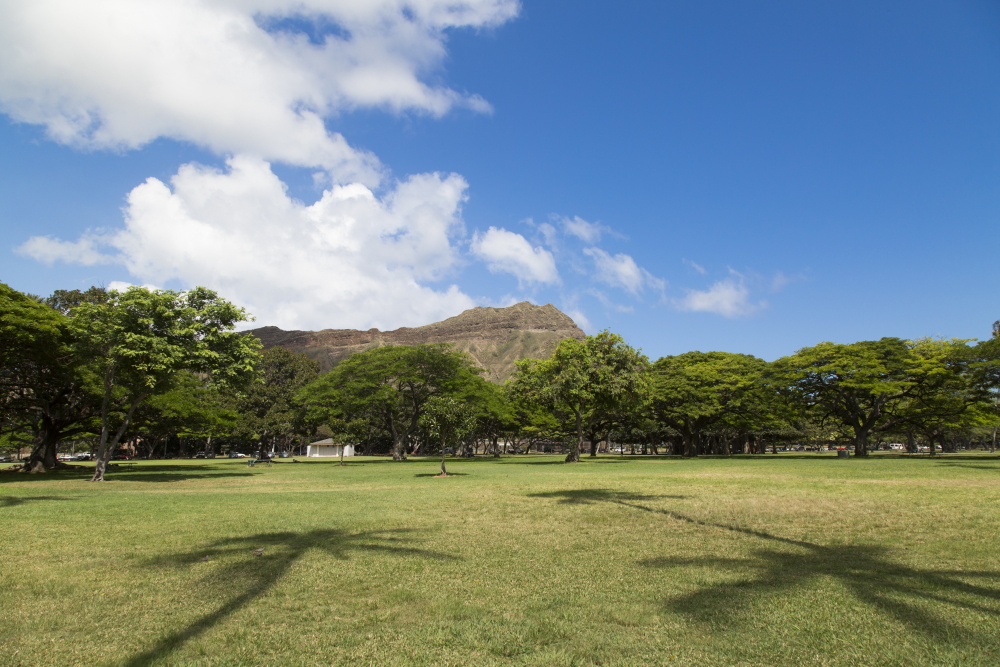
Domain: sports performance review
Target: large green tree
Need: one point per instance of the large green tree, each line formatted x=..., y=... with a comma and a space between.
x=388, y=387
x=590, y=379
x=695, y=391
x=270, y=410
x=140, y=339
x=985, y=373
x=46, y=387
x=873, y=386
x=495, y=414
x=192, y=405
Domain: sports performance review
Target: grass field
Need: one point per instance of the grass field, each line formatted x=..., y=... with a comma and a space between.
x=777, y=560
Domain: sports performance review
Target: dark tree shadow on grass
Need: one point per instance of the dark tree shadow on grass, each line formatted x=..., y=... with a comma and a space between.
x=143, y=472
x=945, y=456
x=515, y=461
x=145, y=475
x=14, y=501
x=590, y=496
x=949, y=464
x=438, y=474
x=868, y=572
x=18, y=477
x=247, y=576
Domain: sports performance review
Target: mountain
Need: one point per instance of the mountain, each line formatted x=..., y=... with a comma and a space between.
x=495, y=337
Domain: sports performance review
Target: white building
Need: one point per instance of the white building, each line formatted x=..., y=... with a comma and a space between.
x=329, y=448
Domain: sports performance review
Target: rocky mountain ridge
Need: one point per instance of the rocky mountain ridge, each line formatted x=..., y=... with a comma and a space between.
x=494, y=337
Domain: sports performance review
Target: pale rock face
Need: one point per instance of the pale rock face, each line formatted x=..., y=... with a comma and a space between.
x=494, y=337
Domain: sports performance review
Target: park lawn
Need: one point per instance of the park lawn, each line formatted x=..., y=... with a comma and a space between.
x=769, y=560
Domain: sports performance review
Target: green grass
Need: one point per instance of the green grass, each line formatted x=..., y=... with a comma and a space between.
x=777, y=560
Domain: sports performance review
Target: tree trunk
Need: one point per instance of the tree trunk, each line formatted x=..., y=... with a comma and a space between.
x=398, y=442
x=690, y=446
x=36, y=459
x=399, y=447
x=106, y=449
x=43, y=449
x=574, y=453
x=861, y=443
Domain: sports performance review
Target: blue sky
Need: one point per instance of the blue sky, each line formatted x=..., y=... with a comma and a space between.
x=751, y=177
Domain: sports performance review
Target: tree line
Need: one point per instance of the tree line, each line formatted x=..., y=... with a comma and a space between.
x=161, y=373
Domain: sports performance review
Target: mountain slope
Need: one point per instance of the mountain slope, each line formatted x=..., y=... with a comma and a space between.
x=495, y=337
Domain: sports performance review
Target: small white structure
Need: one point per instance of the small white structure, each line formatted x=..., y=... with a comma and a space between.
x=329, y=448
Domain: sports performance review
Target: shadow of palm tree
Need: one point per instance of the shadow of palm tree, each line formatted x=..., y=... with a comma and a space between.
x=256, y=563
x=868, y=572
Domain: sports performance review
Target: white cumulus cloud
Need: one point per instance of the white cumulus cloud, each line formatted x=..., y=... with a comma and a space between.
x=235, y=76
x=255, y=81
x=349, y=260
x=509, y=252
x=729, y=298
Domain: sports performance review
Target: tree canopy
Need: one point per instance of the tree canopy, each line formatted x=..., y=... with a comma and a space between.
x=140, y=339
x=589, y=379
x=389, y=387
x=696, y=390
x=142, y=368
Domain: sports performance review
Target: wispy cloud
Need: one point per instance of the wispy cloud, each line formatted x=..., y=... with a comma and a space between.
x=622, y=271
x=588, y=232
x=609, y=304
x=83, y=251
x=729, y=297
x=697, y=267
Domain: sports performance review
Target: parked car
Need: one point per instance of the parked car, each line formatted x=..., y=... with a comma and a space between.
x=237, y=455
x=199, y=455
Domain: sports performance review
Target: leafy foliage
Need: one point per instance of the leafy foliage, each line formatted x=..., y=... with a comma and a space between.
x=697, y=390
x=588, y=379
x=140, y=339
x=389, y=386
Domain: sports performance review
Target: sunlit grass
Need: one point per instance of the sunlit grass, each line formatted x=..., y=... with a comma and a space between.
x=787, y=560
